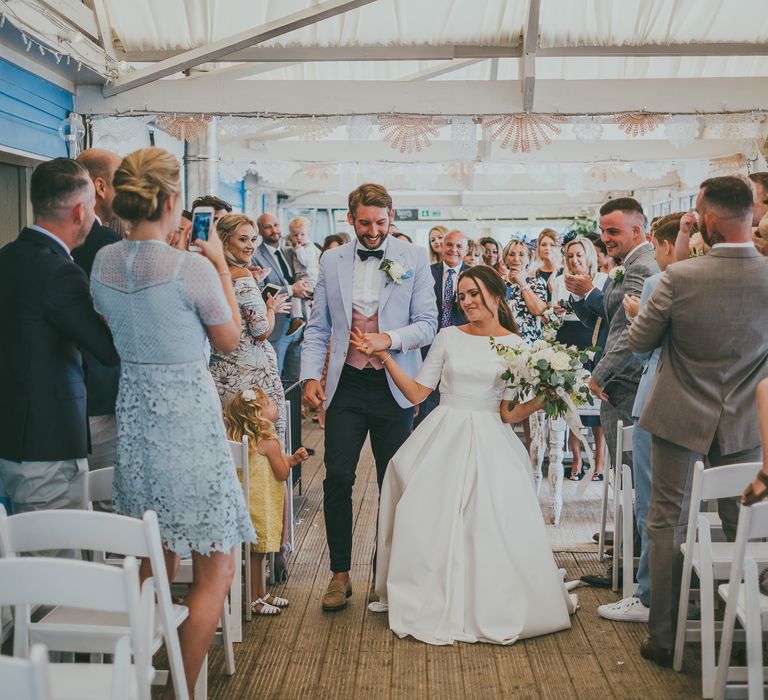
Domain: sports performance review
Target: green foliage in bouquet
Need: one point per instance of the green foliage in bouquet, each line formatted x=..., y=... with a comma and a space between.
x=549, y=371
x=582, y=226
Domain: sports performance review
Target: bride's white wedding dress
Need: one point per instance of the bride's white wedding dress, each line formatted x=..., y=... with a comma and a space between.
x=462, y=551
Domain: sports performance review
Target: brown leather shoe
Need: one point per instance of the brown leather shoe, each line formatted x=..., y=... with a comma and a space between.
x=373, y=597
x=659, y=656
x=336, y=595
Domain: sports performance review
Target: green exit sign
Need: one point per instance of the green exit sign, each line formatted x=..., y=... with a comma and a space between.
x=427, y=214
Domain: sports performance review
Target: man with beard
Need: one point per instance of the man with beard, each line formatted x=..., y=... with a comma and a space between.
x=383, y=287
x=708, y=312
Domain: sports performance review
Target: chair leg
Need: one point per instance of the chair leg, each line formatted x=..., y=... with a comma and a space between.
x=708, y=659
x=603, y=517
x=753, y=628
x=236, y=599
x=247, y=555
x=726, y=644
x=618, y=534
x=628, y=540
x=201, y=686
x=226, y=640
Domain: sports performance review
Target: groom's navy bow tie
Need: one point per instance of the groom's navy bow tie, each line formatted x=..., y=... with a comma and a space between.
x=365, y=254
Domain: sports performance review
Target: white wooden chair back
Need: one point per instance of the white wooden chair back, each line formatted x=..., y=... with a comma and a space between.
x=623, y=537
x=27, y=581
x=99, y=485
x=26, y=679
x=753, y=525
x=100, y=532
x=239, y=452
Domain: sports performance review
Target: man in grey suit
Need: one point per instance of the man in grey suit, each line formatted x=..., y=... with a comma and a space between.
x=616, y=376
x=270, y=255
x=709, y=315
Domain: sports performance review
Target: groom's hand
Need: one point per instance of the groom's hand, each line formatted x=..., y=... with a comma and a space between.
x=377, y=342
x=313, y=393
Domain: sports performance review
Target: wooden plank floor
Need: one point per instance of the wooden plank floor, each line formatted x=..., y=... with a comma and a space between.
x=305, y=653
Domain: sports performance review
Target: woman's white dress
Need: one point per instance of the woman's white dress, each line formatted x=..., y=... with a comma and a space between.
x=462, y=550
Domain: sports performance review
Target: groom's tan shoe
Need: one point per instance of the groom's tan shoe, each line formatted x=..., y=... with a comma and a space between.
x=336, y=595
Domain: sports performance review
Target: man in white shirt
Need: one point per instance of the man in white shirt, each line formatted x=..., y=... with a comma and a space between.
x=383, y=287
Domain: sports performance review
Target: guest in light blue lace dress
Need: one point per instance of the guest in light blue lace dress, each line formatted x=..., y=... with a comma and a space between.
x=173, y=456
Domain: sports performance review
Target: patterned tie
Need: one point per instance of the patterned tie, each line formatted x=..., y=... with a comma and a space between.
x=445, y=316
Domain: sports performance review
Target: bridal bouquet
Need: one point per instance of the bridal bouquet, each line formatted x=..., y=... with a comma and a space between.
x=551, y=371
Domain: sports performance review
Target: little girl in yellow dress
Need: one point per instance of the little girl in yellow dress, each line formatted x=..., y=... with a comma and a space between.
x=252, y=413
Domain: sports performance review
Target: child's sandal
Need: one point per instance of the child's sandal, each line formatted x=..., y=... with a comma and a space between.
x=270, y=599
x=266, y=608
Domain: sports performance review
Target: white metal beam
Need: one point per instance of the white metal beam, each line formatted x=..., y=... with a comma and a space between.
x=449, y=52
x=99, y=10
x=303, y=54
x=441, y=69
x=237, y=71
x=333, y=97
x=224, y=47
x=75, y=14
x=530, y=44
x=658, y=50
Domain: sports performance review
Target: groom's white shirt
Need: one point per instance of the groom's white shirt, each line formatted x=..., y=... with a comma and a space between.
x=407, y=311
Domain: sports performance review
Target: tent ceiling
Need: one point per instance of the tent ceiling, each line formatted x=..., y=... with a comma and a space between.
x=290, y=58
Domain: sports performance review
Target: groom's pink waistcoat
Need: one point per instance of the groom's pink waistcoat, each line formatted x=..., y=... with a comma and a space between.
x=367, y=324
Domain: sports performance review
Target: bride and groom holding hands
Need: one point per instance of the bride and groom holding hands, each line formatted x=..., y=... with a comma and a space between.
x=456, y=498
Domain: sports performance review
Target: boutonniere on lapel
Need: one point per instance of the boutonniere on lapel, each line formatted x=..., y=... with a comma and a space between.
x=395, y=271
x=616, y=274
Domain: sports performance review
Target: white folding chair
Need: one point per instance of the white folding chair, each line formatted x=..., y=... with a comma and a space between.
x=623, y=510
x=743, y=601
x=26, y=679
x=239, y=452
x=710, y=561
x=68, y=629
x=28, y=581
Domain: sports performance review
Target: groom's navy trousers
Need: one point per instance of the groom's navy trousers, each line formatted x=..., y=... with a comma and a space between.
x=362, y=404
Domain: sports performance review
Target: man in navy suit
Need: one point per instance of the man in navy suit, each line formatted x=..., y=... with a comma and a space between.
x=101, y=381
x=446, y=274
x=47, y=315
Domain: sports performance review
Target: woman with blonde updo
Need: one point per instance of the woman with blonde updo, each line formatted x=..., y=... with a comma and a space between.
x=172, y=452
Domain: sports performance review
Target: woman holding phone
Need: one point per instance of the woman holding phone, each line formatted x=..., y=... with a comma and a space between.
x=253, y=363
x=172, y=454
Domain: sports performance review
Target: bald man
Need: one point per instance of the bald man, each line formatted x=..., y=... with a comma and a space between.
x=101, y=166
x=101, y=381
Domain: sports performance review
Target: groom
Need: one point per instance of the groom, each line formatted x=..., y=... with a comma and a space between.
x=396, y=308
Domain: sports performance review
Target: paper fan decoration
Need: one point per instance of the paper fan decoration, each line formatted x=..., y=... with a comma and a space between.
x=311, y=129
x=318, y=171
x=409, y=134
x=522, y=130
x=638, y=123
x=184, y=128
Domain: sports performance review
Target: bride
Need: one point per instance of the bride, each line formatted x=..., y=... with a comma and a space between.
x=462, y=549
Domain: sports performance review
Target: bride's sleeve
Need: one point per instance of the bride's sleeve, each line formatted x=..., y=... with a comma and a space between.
x=432, y=367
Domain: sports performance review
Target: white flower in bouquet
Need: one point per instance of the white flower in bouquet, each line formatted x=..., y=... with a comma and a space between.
x=560, y=361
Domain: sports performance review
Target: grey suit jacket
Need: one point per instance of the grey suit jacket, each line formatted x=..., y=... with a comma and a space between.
x=618, y=366
x=715, y=351
x=262, y=257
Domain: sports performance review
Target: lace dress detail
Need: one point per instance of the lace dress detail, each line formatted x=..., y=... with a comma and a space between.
x=172, y=453
x=253, y=364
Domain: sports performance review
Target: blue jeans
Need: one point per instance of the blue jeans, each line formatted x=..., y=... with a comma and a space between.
x=641, y=475
x=288, y=351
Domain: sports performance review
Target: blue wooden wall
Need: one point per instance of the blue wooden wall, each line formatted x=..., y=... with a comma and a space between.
x=31, y=110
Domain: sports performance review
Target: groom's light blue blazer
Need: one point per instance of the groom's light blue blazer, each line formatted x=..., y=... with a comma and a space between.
x=408, y=309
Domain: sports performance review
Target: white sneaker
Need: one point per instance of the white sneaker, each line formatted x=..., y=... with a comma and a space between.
x=626, y=610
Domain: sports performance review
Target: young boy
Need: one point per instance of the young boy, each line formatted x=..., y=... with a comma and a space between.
x=306, y=265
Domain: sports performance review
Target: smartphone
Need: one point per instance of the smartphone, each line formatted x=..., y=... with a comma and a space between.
x=270, y=290
x=202, y=225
